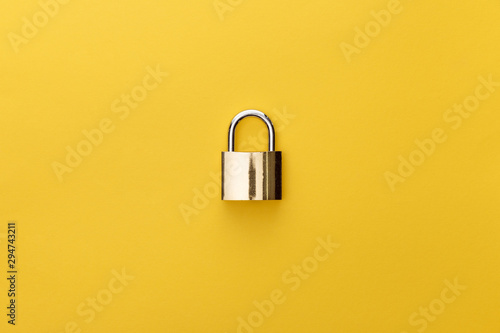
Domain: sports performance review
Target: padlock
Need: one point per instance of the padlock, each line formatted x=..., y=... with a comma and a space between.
x=251, y=175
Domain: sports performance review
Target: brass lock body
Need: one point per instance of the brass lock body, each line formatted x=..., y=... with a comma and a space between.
x=251, y=175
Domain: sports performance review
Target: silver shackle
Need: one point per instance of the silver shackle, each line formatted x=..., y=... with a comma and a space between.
x=250, y=113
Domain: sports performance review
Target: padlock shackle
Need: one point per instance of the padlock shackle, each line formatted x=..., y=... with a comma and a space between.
x=250, y=113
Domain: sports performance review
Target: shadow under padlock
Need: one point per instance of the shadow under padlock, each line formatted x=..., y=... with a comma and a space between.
x=251, y=176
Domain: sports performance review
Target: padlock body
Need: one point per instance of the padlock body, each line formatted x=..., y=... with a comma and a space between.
x=251, y=175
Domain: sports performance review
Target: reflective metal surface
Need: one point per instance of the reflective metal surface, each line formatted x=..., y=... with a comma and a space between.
x=250, y=113
x=251, y=175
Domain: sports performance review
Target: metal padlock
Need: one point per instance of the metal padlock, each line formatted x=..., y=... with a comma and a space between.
x=251, y=175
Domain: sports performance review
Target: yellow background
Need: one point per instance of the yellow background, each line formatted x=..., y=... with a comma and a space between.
x=121, y=208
